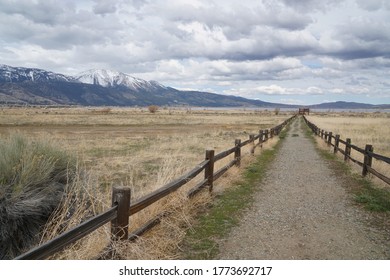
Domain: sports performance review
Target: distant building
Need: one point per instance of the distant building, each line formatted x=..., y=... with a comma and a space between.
x=303, y=111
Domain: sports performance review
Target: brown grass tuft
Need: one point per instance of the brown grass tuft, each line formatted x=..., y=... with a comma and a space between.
x=131, y=147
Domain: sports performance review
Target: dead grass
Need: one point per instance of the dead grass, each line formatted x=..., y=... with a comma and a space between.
x=144, y=151
x=362, y=128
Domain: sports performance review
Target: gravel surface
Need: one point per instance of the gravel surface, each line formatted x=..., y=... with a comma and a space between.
x=302, y=211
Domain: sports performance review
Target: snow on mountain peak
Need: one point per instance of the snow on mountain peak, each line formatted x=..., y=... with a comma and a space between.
x=102, y=77
x=110, y=78
x=19, y=74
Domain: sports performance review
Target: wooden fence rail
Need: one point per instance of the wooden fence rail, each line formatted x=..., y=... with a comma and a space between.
x=367, y=152
x=122, y=208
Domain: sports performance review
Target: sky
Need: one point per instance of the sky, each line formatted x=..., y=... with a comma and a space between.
x=287, y=51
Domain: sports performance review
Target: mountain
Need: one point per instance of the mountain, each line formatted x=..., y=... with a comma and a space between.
x=20, y=85
x=348, y=105
x=109, y=78
x=10, y=74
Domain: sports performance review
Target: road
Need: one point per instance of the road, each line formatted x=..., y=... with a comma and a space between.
x=303, y=211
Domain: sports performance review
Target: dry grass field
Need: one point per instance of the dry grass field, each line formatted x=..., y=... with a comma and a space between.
x=362, y=128
x=139, y=149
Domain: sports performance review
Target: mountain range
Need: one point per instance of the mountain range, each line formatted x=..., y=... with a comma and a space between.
x=19, y=86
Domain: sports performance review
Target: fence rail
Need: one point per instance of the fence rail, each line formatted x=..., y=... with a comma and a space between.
x=122, y=209
x=61, y=241
x=367, y=152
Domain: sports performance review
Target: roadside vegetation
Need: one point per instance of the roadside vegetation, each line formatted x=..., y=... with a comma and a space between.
x=226, y=210
x=370, y=192
x=132, y=147
x=34, y=177
x=362, y=128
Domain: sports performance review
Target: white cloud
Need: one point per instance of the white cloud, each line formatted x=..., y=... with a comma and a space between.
x=257, y=49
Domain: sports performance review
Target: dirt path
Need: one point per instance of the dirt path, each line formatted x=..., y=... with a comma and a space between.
x=303, y=212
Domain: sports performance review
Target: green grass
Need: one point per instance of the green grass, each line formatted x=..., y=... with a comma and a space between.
x=373, y=199
x=225, y=212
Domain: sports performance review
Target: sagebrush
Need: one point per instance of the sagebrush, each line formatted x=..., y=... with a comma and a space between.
x=33, y=179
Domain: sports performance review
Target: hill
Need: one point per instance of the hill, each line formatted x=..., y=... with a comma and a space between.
x=101, y=87
x=348, y=105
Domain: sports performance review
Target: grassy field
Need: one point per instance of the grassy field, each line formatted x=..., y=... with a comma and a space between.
x=143, y=150
x=362, y=128
x=130, y=146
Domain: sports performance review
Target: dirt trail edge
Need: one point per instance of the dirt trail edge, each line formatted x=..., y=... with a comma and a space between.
x=301, y=211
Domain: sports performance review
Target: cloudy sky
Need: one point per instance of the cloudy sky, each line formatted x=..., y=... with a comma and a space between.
x=289, y=51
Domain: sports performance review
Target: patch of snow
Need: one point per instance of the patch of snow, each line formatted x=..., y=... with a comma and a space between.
x=110, y=78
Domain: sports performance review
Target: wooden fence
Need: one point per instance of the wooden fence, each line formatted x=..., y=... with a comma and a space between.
x=122, y=207
x=367, y=152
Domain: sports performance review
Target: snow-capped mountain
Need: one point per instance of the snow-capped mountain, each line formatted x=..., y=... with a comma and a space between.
x=109, y=78
x=101, y=77
x=19, y=85
x=21, y=74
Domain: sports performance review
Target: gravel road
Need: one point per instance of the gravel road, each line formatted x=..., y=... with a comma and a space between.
x=302, y=211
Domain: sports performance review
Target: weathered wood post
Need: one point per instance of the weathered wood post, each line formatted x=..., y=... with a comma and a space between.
x=252, y=139
x=322, y=133
x=367, y=159
x=272, y=132
x=209, y=171
x=347, y=152
x=279, y=128
x=330, y=138
x=261, y=134
x=336, y=143
x=120, y=225
x=266, y=135
x=237, y=152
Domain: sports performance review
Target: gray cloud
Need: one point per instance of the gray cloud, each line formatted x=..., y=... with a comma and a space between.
x=361, y=38
x=46, y=12
x=306, y=6
x=103, y=7
x=373, y=5
x=299, y=47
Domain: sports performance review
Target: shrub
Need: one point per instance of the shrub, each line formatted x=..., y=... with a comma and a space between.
x=33, y=179
x=153, y=108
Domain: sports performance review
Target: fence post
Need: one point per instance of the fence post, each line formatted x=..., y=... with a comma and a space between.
x=120, y=225
x=252, y=139
x=367, y=159
x=209, y=171
x=330, y=138
x=347, y=149
x=272, y=132
x=261, y=134
x=279, y=128
x=237, y=152
x=336, y=143
x=266, y=135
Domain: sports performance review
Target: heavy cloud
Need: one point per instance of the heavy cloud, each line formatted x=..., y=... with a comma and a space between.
x=260, y=49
